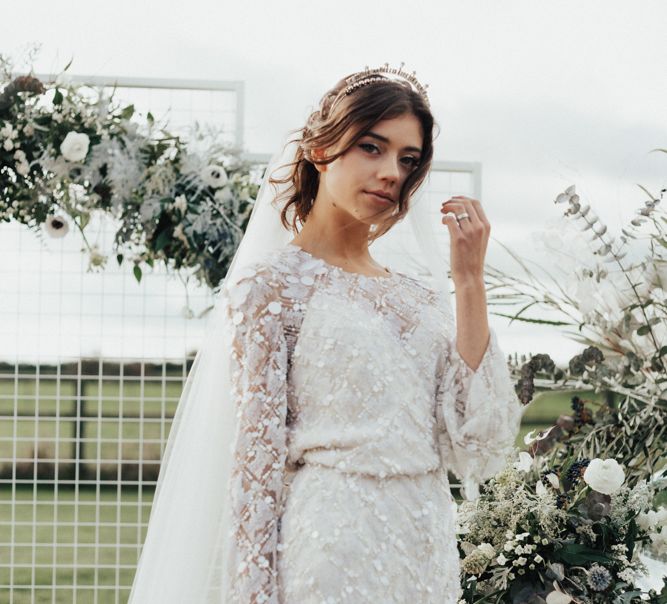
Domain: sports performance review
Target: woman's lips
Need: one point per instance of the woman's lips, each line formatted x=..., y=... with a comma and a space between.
x=380, y=199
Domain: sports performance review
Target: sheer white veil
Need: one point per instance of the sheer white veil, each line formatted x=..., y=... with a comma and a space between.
x=189, y=541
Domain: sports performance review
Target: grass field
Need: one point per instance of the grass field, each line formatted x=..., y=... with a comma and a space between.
x=82, y=545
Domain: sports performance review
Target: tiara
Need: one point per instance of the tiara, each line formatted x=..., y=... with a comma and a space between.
x=378, y=74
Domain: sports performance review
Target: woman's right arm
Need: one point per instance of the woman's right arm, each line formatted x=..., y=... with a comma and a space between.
x=258, y=374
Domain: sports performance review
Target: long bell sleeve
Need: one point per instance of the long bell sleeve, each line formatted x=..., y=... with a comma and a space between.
x=258, y=374
x=479, y=413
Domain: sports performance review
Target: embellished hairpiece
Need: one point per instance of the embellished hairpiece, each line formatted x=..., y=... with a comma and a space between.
x=380, y=74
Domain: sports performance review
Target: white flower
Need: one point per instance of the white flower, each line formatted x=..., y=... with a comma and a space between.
x=604, y=476
x=525, y=462
x=57, y=117
x=28, y=130
x=214, y=176
x=180, y=203
x=501, y=559
x=647, y=521
x=75, y=146
x=487, y=550
x=8, y=144
x=56, y=226
x=661, y=515
x=540, y=489
x=22, y=168
x=553, y=480
x=96, y=257
x=7, y=131
x=223, y=195
x=19, y=156
x=538, y=558
x=558, y=597
x=659, y=540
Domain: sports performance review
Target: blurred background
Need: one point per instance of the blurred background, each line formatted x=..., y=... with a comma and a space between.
x=530, y=97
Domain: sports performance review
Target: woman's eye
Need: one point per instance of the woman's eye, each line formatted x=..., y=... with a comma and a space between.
x=411, y=161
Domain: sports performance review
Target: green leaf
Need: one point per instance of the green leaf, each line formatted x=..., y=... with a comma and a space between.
x=575, y=553
x=149, y=117
x=58, y=98
x=644, y=329
x=529, y=320
x=663, y=351
x=127, y=113
x=137, y=273
x=163, y=239
x=150, y=262
x=119, y=259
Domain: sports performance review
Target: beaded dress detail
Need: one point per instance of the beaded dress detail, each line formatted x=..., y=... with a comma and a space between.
x=352, y=404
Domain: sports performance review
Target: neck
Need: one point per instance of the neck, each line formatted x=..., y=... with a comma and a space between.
x=333, y=234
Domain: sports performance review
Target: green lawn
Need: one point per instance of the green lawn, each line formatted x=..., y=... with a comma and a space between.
x=90, y=538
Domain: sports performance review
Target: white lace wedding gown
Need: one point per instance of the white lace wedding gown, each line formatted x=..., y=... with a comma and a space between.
x=353, y=403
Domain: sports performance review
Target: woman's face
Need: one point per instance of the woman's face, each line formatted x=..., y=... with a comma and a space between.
x=379, y=161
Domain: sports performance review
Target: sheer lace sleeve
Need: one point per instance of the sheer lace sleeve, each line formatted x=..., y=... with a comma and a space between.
x=259, y=370
x=479, y=413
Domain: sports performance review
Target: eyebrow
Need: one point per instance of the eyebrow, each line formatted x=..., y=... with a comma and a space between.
x=386, y=140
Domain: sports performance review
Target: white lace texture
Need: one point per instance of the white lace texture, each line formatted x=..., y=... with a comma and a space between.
x=352, y=405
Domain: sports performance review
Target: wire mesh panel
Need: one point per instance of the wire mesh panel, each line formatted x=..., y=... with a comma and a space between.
x=92, y=364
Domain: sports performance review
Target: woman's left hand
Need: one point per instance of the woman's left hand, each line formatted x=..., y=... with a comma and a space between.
x=468, y=238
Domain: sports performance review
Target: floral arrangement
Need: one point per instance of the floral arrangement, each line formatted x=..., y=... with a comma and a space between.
x=567, y=520
x=69, y=151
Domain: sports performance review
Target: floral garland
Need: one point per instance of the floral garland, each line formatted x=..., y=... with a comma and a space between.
x=568, y=519
x=68, y=151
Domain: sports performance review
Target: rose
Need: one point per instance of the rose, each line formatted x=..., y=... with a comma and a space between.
x=604, y=476
x=214, y=176
x=75, y=146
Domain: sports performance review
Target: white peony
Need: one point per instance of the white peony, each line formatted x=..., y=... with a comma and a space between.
x=604, y=476
x=214, y=176
x=56, y=226
x=75, y=146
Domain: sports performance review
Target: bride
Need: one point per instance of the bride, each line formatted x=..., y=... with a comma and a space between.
x=308, y=459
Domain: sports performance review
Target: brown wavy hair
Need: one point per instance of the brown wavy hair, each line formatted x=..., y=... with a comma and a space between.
x=340, y=123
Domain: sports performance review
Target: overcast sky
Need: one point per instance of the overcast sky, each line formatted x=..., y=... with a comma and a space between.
x=543, y=94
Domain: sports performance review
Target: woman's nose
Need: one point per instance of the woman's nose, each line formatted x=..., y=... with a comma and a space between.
x=390, y=168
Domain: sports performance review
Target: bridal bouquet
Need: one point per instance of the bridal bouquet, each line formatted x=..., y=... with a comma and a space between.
x=69, y=152
x=561, y=532
x=576, y=515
